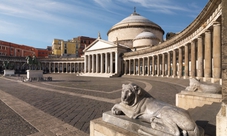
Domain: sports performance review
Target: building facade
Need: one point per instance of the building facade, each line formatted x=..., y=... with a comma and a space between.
x=9, y=49
x=70, y=48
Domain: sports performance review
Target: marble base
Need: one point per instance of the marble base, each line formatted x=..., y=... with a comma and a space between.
x=34, y=74
x=186, y=99
x=9, y=72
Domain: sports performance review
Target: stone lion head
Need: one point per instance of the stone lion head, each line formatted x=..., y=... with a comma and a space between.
x=130, y=93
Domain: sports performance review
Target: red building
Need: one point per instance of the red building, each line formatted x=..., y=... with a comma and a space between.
x=17, y=50
x=81, y=42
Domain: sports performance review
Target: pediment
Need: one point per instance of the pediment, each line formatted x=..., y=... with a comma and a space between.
x=100, y=44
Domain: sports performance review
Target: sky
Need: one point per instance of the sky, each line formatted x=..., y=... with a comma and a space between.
x=37, y=22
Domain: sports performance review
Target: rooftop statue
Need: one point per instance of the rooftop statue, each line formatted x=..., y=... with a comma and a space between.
x=136, y=103
x=197, y=86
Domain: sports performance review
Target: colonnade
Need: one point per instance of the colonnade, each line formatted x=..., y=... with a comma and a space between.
x=101, y=63
x=64, y=67
x=200, y=57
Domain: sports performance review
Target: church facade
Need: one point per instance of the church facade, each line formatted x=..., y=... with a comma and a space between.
x=135, y=46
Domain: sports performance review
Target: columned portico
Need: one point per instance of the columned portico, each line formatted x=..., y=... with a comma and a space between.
x=105, y=61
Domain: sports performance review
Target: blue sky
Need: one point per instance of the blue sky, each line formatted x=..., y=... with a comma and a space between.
x=37, y=22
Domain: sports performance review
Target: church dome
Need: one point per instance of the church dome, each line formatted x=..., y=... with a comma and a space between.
x=127, y=29
x=145, y=35
x=144, y=40
x=136, y=18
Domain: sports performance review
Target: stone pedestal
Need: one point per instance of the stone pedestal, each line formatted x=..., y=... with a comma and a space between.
x=221, y=121
x=34, y=74
x=187, y=100
x=120, y=125
x=9, y=72
x=100, y=128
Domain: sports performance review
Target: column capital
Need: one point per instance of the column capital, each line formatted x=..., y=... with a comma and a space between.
x=207, y=31
x=199, y=37
x=216, y=23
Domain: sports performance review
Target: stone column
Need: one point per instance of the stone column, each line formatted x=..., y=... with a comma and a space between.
x=216, y=51
x=168, y=64
x=138, y=66
x=66, y=67
x=174, y=63
x=125, y=68
x=116, y=63
x=158, y=65
x=58, y=68
x=93, y=63
x=200, y=58
x=129, y=67
x=89, y=64
x=111, y=62
x=49, y=67
x=106, y=63
x=143, y=67
x=75, y=67
x=153, y=65
x=180, y=62
x=207, y=72
x=148, y=66
x=193, y=61
x=54, y=67
x=186, y=62
x=134, y=66
x=102, y=64
x=70, y=67
x=163, y=64
x=97, y=63
x=85, y=64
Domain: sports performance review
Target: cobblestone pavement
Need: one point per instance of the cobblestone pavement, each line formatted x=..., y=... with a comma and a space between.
x=66, y=105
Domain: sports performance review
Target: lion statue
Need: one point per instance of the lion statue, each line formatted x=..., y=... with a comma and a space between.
x=197, y=86
x=136, y=103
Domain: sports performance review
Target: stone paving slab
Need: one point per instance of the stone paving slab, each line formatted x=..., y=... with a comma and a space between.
x=66, y=103
x=44, y=123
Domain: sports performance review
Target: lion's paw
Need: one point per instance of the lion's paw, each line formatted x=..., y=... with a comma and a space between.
x=116, y=111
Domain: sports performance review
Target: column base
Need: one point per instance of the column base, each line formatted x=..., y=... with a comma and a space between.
x=206, y=79
x=179, y=76
x=216, y=80
x=199, y=78
x=186, y=77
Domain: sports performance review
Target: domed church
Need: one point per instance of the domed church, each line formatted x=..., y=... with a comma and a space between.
x=135, y=32
x=136, y=29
